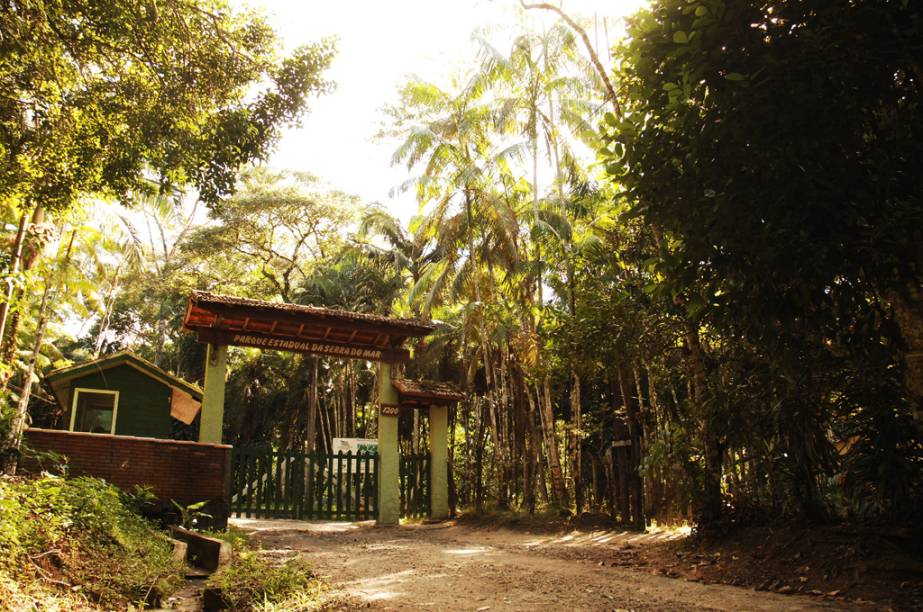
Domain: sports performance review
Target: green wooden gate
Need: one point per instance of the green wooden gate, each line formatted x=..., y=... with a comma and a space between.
x=415, y=485
x=267, y=483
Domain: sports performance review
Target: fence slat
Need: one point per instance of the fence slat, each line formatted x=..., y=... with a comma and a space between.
x=349, y=484
x=402, y=482
x=296, y=482
x=339, y=484
x=366, y=485
x=251, y=470
x=329, y=475
x=310, y=492
x=375, y=500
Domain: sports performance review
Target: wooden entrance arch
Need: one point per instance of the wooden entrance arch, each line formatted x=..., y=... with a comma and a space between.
x=221, y=321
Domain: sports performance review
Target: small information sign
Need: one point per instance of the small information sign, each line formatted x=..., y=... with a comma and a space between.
x=355, y=445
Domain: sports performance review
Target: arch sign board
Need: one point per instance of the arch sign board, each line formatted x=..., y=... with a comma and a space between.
x=222, y=320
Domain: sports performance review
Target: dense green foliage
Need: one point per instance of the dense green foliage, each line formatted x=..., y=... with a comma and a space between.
x=100, y=96
x=771, y=149
x=75, y=542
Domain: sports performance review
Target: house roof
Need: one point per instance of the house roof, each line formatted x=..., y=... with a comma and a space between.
x=236, y=321
x=426, y=391
x=79, y=370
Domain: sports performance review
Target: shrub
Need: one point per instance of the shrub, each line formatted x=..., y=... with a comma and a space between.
x=78, y=536
x=250, y=582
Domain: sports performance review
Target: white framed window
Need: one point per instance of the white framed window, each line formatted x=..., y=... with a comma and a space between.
x=94, y=410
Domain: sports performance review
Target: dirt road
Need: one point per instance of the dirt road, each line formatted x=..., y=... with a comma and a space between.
x=456, y=567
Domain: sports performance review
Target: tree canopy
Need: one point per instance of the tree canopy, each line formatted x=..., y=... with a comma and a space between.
x=105, y=97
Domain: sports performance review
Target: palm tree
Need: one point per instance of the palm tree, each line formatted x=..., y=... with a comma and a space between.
x=448, y=136
x=544, y=91
x=412, y=255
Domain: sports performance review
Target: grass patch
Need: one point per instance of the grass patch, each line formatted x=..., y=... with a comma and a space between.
x=75, y=544
x=235, y=536
x=251, y=582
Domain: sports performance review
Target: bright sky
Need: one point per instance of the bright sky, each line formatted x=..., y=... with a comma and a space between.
x=379, y=44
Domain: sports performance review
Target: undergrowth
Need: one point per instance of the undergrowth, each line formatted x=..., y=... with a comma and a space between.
x=251, y=582
x=76, y=544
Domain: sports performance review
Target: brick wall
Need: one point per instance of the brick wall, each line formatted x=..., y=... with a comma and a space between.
x=187, y=472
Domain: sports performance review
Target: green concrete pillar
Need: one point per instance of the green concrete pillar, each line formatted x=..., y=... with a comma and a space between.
x=211, y=421
x=389, y=493
x=439, y=461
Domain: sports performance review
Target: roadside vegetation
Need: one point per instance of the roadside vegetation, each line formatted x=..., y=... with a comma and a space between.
x=73, y=544
x=78, y=544
x=252, y=582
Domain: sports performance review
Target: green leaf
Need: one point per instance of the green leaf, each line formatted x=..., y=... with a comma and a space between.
x=695, y=307
x=680, y=37
x=701, y=11
x=735, y=76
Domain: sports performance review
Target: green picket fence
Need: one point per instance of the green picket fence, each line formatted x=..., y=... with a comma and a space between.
x=268, y=483
x=415, y=485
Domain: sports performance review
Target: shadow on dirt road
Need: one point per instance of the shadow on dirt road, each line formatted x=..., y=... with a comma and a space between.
x=458, y=567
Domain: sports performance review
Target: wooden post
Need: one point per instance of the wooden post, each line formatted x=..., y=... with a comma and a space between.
x=439, y=465
x=211, y=421
x=389, y=492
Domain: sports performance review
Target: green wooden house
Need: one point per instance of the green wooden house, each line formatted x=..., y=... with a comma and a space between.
x=123, y=394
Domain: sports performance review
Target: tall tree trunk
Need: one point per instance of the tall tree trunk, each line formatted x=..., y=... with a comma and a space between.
x=506, y=430
x=710, y=507
x=594, y=497
x=311, y=418
x=496, y=466
x=594, y=57
x=520, y=421
x=620, y=459
x=48, y=296
x=611, y=483
x=576, y=442
x=15, y=262
x=535, y=210
x=558, y=491
x=479, y=458
x=635, y=432
x=35, y=241
x=326, y=435
x=161, y=340
x=350, y=400
x=415, y=433
x=533, y=459
x=108, y=304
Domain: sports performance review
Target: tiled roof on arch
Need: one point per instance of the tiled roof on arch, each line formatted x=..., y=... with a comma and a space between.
x=443, y=392
x=237, y=321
